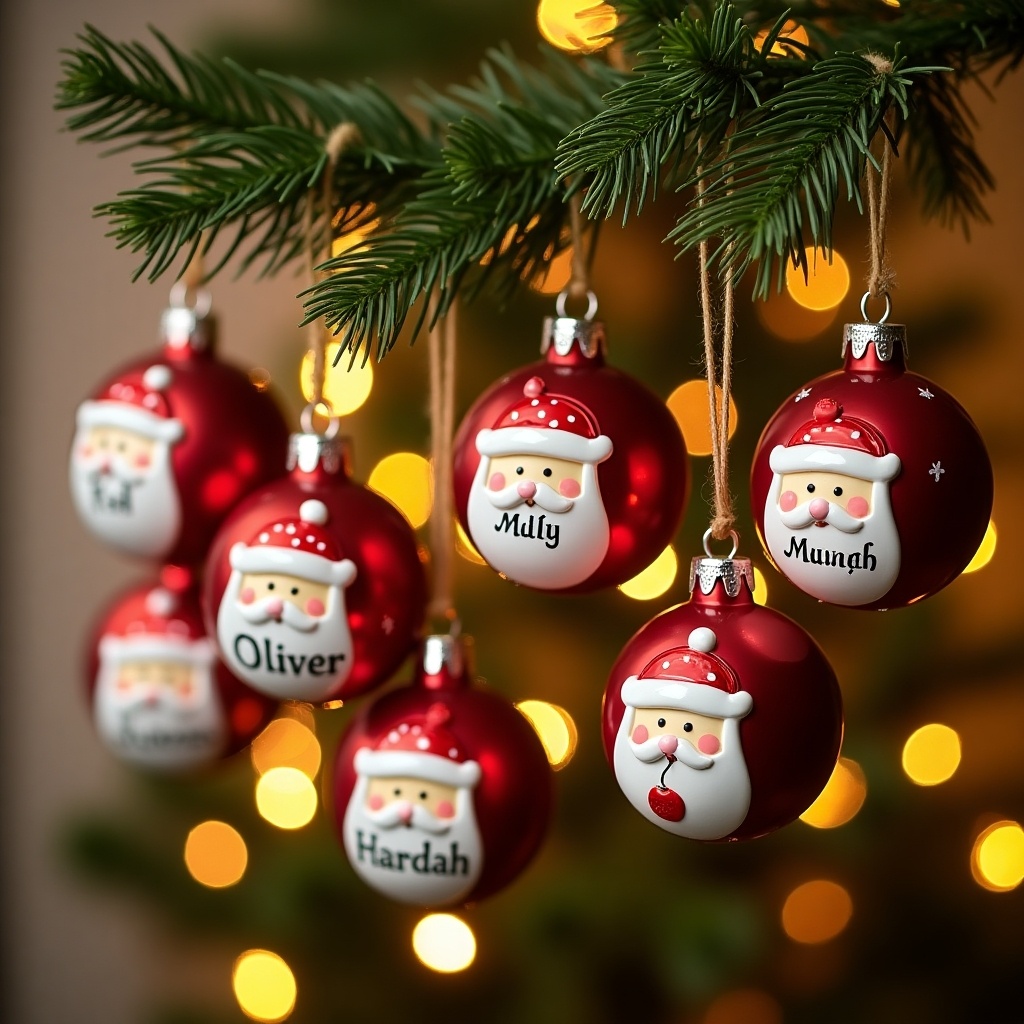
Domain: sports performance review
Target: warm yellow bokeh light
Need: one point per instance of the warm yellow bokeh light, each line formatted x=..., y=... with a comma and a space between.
x=286, y=797
x=444, y=943
x=286, y=743
x=791, y=322
x=345, y=389
x=826, y=285
x=690, y=406
x=555, y=276
x=997, y=860
x=556, y=729
x=264, y=986
x=931, y=755
x=215, y=854
x=744, y=1006
x=842, y=797
x=816, y=911
x=791, y=30
x=986, y=549
x=760, y=587
x=406, y=481
x=465, y=547
x=653, y=581
x=575, y=25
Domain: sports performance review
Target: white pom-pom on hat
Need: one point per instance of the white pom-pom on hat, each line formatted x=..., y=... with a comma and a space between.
x=702, y=639
x=313, y=511
x=160, y=601
x=156, y=378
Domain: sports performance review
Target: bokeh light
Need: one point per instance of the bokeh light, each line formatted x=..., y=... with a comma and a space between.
x=575, y=25
x=997, y=859
x=655, y=579
x=931, y=754
x=264, y=986
x=816, y=911
x=286, y=743
x=465, y=547
x=690, y=406
x=556, y=274
x=788, y=321
x=215, y=854
x=841, y=799
x=355, y=238
x=444, y=943
x=286, y=797
x=555, y=727
x=760, y=587
x=345, y=389
x=986, y=549
x=259, y=378
x=826, y=284
x=792, y=30
x=406, y=481
x=744, y=1006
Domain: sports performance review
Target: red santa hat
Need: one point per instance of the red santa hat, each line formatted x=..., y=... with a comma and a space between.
x=689, y=678
x=834, y=443
x=423, y=748
x=297, y=547
x=135, y=402
x=545, y=424
x=159, y=634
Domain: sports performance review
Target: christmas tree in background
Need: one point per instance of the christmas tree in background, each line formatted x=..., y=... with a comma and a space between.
x=470, y=192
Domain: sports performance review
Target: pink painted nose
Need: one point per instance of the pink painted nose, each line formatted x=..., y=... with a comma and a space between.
x=818, y=509
x=527, y=489
x=405, y=812
x=275, y=606
x=668, y=744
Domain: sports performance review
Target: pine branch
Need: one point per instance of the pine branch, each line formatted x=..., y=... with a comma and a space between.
x=641, y=21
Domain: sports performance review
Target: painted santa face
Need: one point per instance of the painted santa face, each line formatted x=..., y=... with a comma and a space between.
x=833, y=535
x=286, y=636
x=682, y=771
x=159, y=711
x=539, y=521
x=124, y=490
x=413, y=839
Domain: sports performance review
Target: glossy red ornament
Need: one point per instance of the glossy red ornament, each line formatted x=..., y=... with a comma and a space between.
x=570, y=475
x=871, y=486
x=170, y=443
x=722, y=720
x=160, y=697
x=442, y=790
x=314, y=586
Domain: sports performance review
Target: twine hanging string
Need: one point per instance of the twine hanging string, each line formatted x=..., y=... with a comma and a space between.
x=881, y=277
x=441, y=352
x=320, y=247
x=579, y=279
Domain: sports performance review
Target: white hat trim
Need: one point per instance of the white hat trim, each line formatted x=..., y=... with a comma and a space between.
x=418, y=764
x=304, y=564
x=129, y=417
x=700, y=698
x=803, y=458
x=558, y=444
x=157, y=647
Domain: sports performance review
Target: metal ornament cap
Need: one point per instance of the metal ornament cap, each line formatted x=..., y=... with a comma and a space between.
x=310, y=452
x=731, y=572
x=889, y=340
x=565, y=337
x=443, y=664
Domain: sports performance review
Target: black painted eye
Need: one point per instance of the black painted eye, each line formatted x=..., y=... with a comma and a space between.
x=270, y=586
x=837, y=491
x=519, y=470
x=547, y=472
x=295, y=590
x=423, y=795
x=810, y=488
x=121, y=446
x=661, y=723
x=397, y=791
x=688, y=727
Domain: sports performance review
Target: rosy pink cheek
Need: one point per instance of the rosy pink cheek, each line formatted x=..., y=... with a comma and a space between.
x=788, y=501
x=569, y=488
x=640, y=734
x=376, y=802
x=858, y=507
x=142, y=460
x=124, y=684
x=85, y=451
x=314, y=606
x=248, y=595
x=445, y=809
x=708, y=744
x=497, y=481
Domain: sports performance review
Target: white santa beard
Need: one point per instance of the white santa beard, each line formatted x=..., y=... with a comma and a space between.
x=716, y=799
x=862, y=566
x=281, y=661
x=546, y=550
x=371, y=848
x=133, y=510
x=166, y=736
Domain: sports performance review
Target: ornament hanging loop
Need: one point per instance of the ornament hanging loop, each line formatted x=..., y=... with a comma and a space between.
x=307, y=419
x=733, y=536
x=864, y=308
x=563, y=297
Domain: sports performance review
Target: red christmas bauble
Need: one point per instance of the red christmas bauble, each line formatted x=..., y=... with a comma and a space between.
x=160, y=697
x=314, y=586
x=442, y=790
x=722, y=719
x=570, y=475
x=871, y=486
x=167, y=445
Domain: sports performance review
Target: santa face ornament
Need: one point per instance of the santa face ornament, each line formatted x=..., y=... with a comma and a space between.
x=722, y=719
x=871, y=486
x=569, y=475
